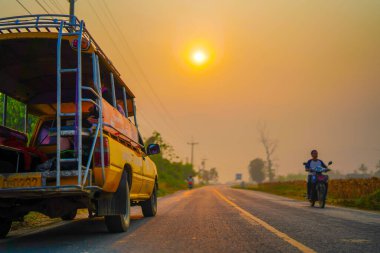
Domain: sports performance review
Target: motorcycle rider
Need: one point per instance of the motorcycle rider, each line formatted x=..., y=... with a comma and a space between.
x=309, y=167
x=190, y=182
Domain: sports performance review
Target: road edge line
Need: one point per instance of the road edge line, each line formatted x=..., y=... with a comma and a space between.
x=303, y=248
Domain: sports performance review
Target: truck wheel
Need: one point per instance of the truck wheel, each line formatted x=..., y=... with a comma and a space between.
x=70, y=216
x=149, y=207
x=5, y=226
x=120, y=223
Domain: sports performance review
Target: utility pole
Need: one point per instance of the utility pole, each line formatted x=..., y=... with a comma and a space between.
x=204, y=163
x=192, y=144
x=202, y=168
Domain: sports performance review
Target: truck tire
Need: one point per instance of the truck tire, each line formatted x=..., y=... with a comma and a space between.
x=70, y=216
x=5, y=226
x=120, y=223
x=149, y=207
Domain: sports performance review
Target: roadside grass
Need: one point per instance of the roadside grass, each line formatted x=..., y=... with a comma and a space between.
x=38, y=220
x=33, y=220
x=165, y=188
x=169, y=183
x=357, y=193
x=171, y=176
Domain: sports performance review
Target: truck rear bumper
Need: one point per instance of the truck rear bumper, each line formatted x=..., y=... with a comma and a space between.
x=48, y=191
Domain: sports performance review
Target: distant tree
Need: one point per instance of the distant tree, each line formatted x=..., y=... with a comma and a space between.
x=16, y=115
x=363, y=168
x=205, y=176
x=256, y=170
x=377, y=172
x=270, y=146
x=166, y=149
x=213, y=174
x=171, y=174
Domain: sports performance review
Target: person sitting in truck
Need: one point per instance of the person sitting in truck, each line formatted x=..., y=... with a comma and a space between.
x=93, y=110
x=106, y=94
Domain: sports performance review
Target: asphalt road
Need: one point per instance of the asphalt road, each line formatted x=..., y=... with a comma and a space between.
x=216, y=219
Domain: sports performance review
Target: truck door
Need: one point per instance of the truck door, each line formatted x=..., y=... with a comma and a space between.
x=148, y=176
x=135, y=160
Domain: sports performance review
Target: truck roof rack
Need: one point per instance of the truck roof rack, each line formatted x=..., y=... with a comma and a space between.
x=50, y=24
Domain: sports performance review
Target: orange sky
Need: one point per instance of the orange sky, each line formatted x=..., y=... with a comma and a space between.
x=309, y=69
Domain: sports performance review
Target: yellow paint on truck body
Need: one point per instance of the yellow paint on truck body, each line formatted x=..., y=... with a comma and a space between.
x=122, y=156
x=144, y=171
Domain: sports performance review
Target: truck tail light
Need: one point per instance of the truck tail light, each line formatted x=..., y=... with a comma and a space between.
x=85, y=45
x=98, y=153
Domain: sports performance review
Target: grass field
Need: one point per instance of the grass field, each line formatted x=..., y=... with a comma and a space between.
x=358, y=193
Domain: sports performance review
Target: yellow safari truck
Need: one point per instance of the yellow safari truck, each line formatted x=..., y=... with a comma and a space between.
x=85, y=150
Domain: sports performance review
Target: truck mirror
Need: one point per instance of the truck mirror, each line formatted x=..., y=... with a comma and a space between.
x=153, y=149
x=330, y=162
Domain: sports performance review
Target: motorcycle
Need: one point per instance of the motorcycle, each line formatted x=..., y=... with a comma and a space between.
x=319, y=186
x=190, y=182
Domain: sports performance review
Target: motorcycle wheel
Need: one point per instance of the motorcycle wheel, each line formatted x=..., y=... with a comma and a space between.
x=312, y=198
x=321, y=189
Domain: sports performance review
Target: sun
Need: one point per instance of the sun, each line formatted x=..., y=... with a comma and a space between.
x=199, y=57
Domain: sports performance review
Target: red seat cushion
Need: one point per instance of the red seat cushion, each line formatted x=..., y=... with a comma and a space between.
x=10, y=134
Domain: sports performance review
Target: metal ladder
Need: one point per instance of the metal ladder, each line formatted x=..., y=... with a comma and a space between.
x=77, y=30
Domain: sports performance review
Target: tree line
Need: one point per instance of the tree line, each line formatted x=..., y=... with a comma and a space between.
x=15, y=115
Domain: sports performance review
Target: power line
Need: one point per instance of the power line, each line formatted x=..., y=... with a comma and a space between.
x=140, y=68
x=24, y=7
x=135, y=59
x=145, y=119
x=120, y=53
x=42, y=6
x=116, y=27
x=48, y=5
x=57, y=6
x=192, y=144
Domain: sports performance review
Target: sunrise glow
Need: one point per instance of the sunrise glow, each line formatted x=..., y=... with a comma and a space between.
x=199, y=57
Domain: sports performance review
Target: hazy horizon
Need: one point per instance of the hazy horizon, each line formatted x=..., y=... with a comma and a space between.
x=309, y=70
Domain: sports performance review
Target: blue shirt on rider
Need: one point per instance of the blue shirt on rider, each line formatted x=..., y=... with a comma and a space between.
x=312, y=164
